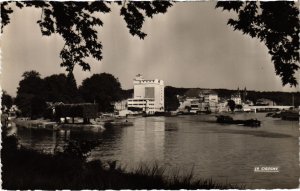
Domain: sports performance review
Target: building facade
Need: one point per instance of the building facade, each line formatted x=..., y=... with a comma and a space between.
x=199, y=100
x=148, y=95
x=237, y=98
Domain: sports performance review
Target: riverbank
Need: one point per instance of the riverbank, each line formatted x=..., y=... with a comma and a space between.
x=28, y=169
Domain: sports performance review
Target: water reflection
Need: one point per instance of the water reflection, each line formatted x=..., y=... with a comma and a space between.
x=222, y=152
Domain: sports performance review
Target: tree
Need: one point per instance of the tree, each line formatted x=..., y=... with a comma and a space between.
x=171, y=100
x=61, y=88
x=6, y=100
x=76, y=23
x=277, y=25
x=231, y=105
x=103, y=89
x=56, y=88
x=71, y=82
x=32, y=83
x=30, y=95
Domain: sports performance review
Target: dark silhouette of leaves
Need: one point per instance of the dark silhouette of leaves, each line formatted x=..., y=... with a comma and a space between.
x=76, y=22
x=103, y=89
x=277, y=25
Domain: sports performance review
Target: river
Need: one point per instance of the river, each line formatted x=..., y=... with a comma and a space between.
x=225, y=153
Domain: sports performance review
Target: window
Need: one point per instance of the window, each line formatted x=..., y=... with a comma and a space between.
x=149, y=92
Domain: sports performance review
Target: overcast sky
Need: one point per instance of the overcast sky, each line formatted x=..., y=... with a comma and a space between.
x=189, y=46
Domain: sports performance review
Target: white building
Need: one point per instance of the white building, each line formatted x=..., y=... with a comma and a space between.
x=237, y=98
x=148, y=95
x=223, y=106
x=120, y=105
x=199, y=100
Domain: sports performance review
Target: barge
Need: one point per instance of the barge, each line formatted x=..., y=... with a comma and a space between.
x=229, y=120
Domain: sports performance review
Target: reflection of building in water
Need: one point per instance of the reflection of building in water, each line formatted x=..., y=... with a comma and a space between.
x=145, y=142
x=148, y=95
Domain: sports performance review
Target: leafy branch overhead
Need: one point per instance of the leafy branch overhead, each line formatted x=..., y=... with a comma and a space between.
x=277, y=25
x=76, y=22
x=274, y=23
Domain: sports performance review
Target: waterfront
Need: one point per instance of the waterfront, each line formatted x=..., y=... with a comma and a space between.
x=221, y=152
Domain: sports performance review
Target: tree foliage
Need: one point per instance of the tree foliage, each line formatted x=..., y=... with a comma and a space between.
x=61, y=88
x=277, y=25
x=103, y=89
x=76, y=22
x=231, y=105
x=30, y=99
x=72, y=88
x=171, y=100
x=6, y=100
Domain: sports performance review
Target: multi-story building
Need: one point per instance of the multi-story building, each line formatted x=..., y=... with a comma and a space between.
x=237, y=98
x=148, y=95
x=199, y=100
x=223, y=105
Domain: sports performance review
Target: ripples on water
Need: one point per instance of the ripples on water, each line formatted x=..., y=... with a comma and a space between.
x=226, y=153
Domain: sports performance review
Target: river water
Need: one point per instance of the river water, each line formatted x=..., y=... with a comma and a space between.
x=225, y=153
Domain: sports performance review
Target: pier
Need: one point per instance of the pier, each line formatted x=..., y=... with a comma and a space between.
x=269, y=108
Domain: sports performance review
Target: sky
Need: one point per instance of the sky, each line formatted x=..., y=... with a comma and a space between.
x=189, y=46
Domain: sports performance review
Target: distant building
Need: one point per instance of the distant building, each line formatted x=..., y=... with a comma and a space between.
x=236, y=97
x=120, y=105
x=248, y=102
x=244, y=95
x=223, y=105
x=263, y=102
x=199, y=100
x=148, y=95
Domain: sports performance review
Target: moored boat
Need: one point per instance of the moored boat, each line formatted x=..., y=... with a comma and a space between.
x=229, y=120
x=291, y=115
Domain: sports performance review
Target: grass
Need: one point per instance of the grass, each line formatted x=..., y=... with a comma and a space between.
x=28, y=169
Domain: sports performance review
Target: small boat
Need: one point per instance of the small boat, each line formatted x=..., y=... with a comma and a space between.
x=229, y=120
x=274, y=115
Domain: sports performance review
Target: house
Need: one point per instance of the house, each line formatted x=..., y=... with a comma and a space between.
x=236, y=97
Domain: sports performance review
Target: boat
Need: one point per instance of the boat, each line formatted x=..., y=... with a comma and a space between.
x=274, y=114
x=229, y=120
x=290, y=115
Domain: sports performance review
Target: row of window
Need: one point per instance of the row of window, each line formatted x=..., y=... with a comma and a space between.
x=140, y=100
x=138, y=104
